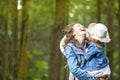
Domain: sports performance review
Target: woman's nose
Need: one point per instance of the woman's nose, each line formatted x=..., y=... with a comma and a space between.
x=82, y=29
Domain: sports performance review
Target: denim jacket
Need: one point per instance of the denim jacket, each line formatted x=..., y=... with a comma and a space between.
x=72, y=55
x=96, y=58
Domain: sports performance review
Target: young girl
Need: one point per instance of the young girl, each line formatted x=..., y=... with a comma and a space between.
x=97, y=62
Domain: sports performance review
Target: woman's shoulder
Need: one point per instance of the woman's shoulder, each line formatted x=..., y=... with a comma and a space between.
x=70, y=45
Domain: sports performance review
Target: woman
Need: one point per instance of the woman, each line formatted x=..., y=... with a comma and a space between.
x=74, y=50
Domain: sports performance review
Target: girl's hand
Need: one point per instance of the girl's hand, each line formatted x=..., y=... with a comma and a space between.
x=86, y=50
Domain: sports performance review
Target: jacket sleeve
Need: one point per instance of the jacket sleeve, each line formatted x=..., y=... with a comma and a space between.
x=92, y=50
x=74, y=69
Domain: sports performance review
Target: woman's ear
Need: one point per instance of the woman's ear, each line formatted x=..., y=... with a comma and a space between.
x=73, y=34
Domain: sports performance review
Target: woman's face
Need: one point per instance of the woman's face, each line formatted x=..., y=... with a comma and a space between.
x=79, y=31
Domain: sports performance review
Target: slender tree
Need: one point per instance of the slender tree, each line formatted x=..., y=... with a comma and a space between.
x=65, y=70
x=14, y=21
x=119, y=36
x=99, y=10
x=1, y=29
x=4, y=39
x=56, y=57
x=22, y=69
x=110, y=49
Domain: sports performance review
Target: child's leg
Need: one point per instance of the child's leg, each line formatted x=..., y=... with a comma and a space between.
x=104, y=77
x=100, y=72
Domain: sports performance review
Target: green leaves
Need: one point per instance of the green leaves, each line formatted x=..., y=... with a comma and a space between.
x=38, y=66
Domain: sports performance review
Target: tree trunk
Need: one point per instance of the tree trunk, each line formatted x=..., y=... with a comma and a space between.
x=4, y=39
x=14, y=55
x=1, y=38
x=98, y=10
x=56, y=55
x=22, y=70
x=110, y=49
x=65, y=70
x=119, y=38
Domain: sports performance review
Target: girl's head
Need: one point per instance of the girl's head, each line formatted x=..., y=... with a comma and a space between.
x=98, y=33
x=75, y=33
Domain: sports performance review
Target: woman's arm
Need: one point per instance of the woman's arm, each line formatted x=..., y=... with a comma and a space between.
x=74, y=69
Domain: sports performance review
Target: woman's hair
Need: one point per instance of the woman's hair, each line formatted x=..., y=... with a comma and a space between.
x=69, y=35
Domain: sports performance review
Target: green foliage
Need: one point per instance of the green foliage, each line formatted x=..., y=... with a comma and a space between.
x=2, y=33
x=40, y=14
x=39, y=30
x=81, y=11
x=38, y=67
x=116, y=67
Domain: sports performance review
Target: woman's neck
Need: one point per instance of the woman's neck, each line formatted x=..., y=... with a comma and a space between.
x=82, y=43
x=80, y=40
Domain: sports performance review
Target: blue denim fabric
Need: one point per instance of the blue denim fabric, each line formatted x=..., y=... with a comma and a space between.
x=71, y=54
x=96, y=58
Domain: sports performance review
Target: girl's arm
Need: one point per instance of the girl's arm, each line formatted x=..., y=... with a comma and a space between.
x=91, y=50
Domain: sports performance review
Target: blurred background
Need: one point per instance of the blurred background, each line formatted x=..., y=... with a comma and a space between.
x=30, y=32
